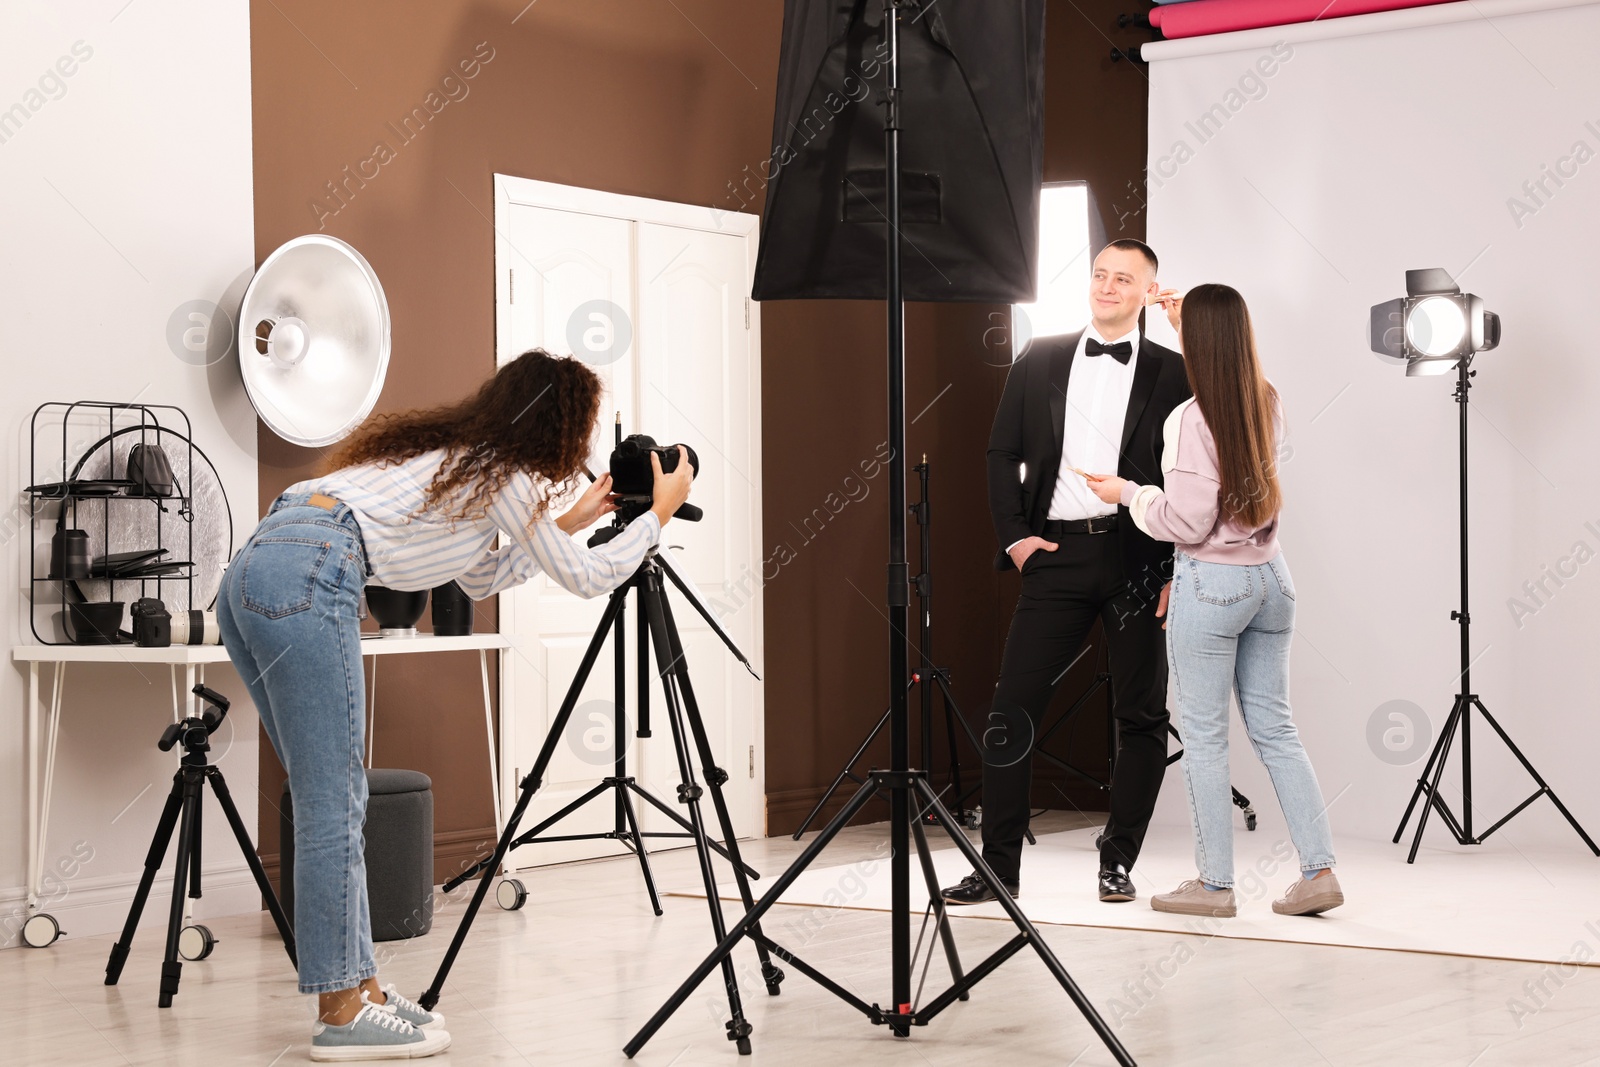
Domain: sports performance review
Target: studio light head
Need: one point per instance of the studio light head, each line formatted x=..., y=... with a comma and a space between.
x=1434, y=326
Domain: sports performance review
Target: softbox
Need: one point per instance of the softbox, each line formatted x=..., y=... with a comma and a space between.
x=972, y=104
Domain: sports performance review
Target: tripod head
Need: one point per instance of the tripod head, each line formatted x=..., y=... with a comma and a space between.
x=195, y=732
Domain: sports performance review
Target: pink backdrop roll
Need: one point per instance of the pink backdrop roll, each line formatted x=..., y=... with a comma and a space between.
x=1222, y=16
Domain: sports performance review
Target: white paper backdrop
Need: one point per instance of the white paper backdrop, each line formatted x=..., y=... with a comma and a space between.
x=1310, y=169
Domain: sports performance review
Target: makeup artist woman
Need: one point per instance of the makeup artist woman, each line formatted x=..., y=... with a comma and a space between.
x=416, y=501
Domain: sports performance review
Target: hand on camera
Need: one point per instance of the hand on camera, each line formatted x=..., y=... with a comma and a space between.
x=597, y=500
x=671, y=490
x=1026, y=547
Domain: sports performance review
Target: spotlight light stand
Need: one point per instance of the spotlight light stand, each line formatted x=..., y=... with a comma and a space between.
x=1438, y=343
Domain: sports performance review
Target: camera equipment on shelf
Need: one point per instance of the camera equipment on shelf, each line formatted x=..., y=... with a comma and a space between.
x=156, y=627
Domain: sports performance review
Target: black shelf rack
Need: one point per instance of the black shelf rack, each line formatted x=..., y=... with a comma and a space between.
x=89, y=428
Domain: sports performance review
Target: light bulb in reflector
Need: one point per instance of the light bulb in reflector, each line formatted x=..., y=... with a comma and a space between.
x=1436, y=326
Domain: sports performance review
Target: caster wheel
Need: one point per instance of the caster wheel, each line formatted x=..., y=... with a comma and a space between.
x=511, y=894
x=41, y=931
x=1099, y=839
x=196, y=942
x=1250, y=821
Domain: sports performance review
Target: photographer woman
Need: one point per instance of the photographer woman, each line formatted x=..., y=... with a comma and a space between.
x=413, y=501
x=1231, y=614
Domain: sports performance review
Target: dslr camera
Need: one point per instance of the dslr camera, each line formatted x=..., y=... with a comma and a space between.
x=632, y=476
x=156, y=627
x=633, y=480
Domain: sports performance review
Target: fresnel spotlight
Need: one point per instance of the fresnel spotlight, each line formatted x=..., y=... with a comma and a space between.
x=1434, y=326
x=1434, y=329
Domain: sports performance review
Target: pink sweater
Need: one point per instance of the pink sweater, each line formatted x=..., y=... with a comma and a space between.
x=1188, y=511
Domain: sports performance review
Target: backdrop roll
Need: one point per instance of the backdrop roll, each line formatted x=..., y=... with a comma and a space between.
x=1224, y=16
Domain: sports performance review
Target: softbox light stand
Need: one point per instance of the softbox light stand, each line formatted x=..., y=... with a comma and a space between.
x=904, y=784
x=1460, y=719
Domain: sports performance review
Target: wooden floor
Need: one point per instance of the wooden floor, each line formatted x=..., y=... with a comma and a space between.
x=571, y=977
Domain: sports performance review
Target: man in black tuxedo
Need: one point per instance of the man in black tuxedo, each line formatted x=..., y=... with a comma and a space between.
x=1095, y=401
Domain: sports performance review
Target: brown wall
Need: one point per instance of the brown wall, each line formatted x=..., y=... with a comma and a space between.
x=670, y=101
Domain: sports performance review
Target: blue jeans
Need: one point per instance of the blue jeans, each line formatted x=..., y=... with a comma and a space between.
x=288, y=617
x=1228, y=632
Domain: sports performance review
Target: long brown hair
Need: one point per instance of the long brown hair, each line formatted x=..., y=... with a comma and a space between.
x=1219, y=353
x=535, y=415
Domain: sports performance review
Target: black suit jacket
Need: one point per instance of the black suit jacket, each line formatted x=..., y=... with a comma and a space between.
x=1029, y=428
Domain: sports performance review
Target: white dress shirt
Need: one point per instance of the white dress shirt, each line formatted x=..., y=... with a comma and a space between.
x=1097, y=404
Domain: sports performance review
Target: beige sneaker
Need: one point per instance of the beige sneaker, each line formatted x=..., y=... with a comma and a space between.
x=1193, y=898
x=1310, y=896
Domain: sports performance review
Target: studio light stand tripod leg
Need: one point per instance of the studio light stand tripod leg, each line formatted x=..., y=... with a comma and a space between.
x=1460, y=719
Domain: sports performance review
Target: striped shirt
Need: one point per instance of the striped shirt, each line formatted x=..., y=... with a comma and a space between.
x=410, y=547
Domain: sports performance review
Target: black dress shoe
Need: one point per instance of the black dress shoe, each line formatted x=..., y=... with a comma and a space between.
x=974, y=890
x=1115, y=885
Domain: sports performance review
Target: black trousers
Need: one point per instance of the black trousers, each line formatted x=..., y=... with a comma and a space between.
x=1063, y=593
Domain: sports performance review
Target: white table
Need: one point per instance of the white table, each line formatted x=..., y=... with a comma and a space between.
x=194, y=659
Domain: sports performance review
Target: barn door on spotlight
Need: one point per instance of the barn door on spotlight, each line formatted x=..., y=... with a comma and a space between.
x=972, y=91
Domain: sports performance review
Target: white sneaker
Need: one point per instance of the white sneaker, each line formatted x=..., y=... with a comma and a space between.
x=374, y=1034
x=409, y=1010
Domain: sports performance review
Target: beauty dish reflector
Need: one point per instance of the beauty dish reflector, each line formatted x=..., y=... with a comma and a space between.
x=314, y=340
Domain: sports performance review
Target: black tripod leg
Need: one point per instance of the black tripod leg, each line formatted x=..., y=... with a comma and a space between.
x=1543, y=785
x=716, y=776
x=1427, y=772
x=1027, y=929
x=171, y=967
x=950, y=716
x=194, y=851
x=152, y=863
x=752, y=918
x=626, y=803
x=846, y=772
x=530, y=784
x=219, y=786
x=940, y=916
x=689, y=793
x=1443, y=749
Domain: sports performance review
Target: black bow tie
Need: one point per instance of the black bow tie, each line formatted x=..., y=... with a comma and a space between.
x=1122, y=351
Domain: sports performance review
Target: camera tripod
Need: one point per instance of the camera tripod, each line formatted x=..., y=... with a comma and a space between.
x=690, y=742
x=194, y=771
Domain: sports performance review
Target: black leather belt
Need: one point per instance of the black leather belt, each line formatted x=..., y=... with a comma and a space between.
x=1099, y=524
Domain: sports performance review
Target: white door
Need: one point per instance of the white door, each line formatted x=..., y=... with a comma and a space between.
x=663, y=306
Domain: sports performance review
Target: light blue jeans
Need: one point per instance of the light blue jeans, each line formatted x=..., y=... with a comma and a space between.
x=1228, y=632
x=288, y=617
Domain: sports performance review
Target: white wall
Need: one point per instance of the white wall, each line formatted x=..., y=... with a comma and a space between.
x=127, y=193
x=1359, y=157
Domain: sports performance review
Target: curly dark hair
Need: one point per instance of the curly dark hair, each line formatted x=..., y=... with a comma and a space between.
x=535, y=415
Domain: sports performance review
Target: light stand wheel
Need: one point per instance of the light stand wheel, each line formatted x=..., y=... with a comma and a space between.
x=41, y=931
x=511, y=894
x=195, y=942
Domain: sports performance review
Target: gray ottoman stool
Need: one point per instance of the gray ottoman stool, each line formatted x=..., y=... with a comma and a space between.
x=399, y=853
